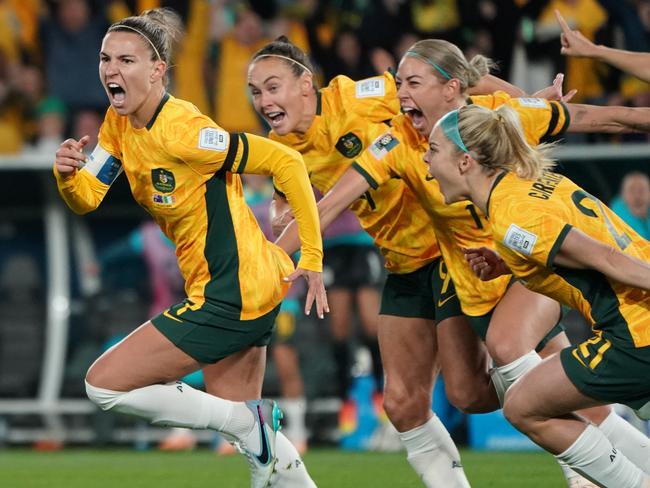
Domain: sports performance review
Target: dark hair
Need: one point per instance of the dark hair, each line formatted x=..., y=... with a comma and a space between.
x=282, y=46
x=161, y=27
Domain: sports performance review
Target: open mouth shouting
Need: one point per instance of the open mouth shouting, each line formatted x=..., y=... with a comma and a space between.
x=417, y=117
x=117, y=94
x=275, y=118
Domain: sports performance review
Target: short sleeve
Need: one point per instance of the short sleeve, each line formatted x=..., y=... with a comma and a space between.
x=541, y=119
x=373, y=99
x=535, y=233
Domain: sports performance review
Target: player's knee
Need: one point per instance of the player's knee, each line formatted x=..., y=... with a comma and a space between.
x=516, y=411
x=103, y=398
x=467, y=400
x=405, y=409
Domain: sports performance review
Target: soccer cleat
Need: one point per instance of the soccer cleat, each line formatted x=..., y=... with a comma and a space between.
x=259, y=445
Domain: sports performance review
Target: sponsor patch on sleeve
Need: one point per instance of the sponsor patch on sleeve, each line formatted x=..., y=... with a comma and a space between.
x=532, y=102
x=383, y=145
x=372, y=87
x=214, y=139
x=520, y=240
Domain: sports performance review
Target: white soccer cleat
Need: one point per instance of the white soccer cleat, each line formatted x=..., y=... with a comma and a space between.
x=259, y=445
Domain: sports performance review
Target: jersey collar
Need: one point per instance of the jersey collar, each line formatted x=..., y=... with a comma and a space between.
x=496, y=182
x=163, y=101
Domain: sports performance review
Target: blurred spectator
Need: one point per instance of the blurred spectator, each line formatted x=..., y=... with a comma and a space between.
x=51, y=114
x=346, y=57
x=633, y=204
x=583, y=74
x=70, y=42
x=489, y=28
x=230, y=53
x=15, y=107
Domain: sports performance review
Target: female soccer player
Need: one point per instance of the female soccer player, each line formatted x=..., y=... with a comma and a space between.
x=331, y=127
x=182, y=169
x=560, y=241
x=434, y=78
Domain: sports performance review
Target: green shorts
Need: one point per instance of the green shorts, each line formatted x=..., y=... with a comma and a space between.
x=481, y=323
x=426, y=293
x=208, y=336
x=609, y=370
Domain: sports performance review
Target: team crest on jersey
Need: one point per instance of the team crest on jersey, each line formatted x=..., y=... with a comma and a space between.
x=163, y=180
x=349, y=145
x=383, y=145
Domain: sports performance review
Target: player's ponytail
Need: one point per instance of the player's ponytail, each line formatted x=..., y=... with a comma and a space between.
x=495, y=139
x=448, y=62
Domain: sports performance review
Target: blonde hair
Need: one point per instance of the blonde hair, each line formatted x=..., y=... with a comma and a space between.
x=496, y=141
x=452, y=61
x=161, y=28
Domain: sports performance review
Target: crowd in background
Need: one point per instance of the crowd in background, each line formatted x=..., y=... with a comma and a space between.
x=50, y=90
x=49, y=87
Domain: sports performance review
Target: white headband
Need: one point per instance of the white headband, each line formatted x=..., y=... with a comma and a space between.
x=287, y=58
x=143, y=35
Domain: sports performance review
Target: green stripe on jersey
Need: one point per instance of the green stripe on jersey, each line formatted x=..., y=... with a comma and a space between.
x=223, y=289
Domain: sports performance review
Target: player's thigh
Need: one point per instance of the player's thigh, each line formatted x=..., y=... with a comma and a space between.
x=546, y=392
x=520, y=321
x=237, y=377
x=368, y=300
x=408, y=351
x=143, y=358
x=462, y=355
x=340, y=301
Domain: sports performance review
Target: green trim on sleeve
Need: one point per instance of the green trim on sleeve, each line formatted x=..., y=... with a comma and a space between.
x=244, y=154
x=371, y=181
x=558, y=243
x=232, y=151
x=567, y=118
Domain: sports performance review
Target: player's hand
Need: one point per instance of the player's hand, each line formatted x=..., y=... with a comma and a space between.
x=70, y=156
x=280, y=221
x=573, y=42
x=315, y=291
x=554, y=92
x=485, y=263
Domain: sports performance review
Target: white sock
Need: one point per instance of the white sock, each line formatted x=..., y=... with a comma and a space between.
x=290, y=470
x=294, y=413
x=593, y=456
x=177, y=405
x=505, y=377
x=511, y=372
x=434, y=456
x=624, y=436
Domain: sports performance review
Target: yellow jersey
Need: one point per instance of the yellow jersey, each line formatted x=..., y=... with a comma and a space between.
x=459, y=225
x=531, y=218
x=182, y=169
x=349, y=116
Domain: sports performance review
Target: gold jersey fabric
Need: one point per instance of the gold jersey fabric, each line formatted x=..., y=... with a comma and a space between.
x=349, y=116
x=399, y=152
x=182, y=169
x=531, y=218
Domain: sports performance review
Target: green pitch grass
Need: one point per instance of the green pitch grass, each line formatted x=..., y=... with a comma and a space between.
x=202, y=468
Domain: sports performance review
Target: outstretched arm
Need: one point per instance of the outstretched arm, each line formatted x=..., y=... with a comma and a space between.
x=576, y=44
x=348, y=188
x=593, y=118
x=580, y=251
